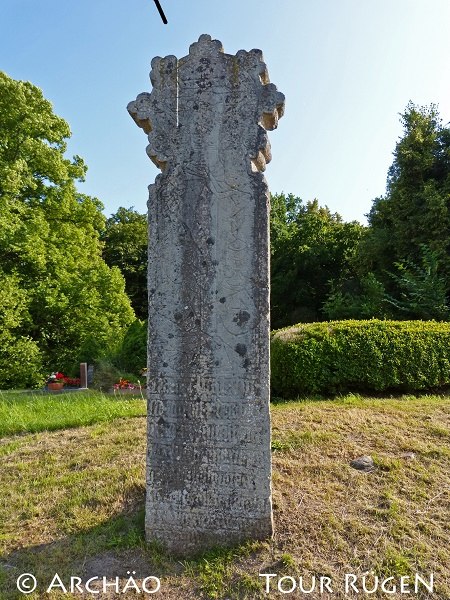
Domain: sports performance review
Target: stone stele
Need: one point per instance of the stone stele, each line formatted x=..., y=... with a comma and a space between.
x=208, y=462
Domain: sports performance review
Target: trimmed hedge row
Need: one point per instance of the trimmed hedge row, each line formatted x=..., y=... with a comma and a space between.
x=342, y=356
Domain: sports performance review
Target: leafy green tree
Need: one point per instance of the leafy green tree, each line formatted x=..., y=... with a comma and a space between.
x=423, y=289
x=50, y=236
x=132, y=356
x=357, y=298
x=416, y=208
x=311, y=248
x=20, y=358
x=125, y=239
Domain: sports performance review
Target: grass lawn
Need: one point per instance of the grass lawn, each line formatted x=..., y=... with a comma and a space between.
x=71, y=500
x=22, y=412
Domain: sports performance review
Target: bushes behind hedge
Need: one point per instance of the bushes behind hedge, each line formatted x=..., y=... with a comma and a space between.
x=342, y=356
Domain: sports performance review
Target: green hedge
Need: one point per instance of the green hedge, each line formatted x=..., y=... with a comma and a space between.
x=342, y=356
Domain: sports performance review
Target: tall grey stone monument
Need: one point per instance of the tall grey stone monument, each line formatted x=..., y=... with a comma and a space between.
x=208, y=463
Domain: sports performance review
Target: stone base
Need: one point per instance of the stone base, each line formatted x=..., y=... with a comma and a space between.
x=184, y=544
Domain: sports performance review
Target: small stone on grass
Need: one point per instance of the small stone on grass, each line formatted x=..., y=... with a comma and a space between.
x=363, y=463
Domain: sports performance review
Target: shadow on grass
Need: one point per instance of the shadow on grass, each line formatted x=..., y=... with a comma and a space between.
x=117, y=548
x=109, y=550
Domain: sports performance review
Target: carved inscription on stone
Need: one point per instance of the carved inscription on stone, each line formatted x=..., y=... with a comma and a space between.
x=208, y=463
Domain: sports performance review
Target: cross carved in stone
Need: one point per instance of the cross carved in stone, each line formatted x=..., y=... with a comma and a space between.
x=209, y=92
x=208, y=464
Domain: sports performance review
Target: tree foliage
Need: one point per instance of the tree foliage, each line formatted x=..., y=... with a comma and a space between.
x=311, y=248
x=20, y=358
x=73, y=305
x=357, y=298
x=132, y=356
x=422, y=289
x=415, y=212
x=125, y=239
x=402, y=266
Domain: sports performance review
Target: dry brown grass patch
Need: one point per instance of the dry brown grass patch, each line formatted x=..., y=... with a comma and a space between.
x=72, y=500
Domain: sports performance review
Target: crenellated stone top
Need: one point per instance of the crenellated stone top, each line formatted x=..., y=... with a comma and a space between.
x=209, y=101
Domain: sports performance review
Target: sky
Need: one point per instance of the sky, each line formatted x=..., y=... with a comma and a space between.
x=348, y=68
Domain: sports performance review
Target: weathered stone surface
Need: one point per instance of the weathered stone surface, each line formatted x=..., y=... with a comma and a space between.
x=363, y=463
x=208, y=467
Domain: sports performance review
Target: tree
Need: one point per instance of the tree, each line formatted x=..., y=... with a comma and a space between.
x=311, y=248
x=132, y=356
x=423, y=290
x=20, y=358
x=402, y=265
x=50, y=245
x=357, y=298
x=415, y=211
x=125, y=239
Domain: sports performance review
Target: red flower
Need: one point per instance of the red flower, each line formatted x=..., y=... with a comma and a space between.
x=72, y=381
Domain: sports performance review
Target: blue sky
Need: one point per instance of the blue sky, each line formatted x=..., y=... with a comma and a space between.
x=347, y=68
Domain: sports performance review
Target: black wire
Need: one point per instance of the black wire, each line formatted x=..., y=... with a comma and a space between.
x=161, y=12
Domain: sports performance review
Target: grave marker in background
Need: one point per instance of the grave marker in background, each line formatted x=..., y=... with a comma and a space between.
x=208, y=463
x=83, y=375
